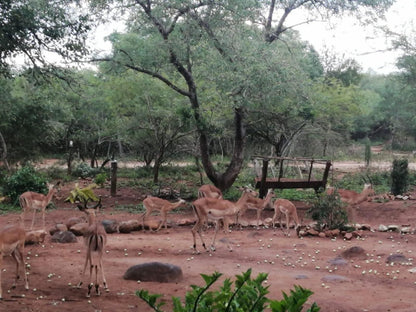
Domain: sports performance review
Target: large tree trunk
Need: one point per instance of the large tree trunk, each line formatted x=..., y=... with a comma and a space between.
x=225, y=180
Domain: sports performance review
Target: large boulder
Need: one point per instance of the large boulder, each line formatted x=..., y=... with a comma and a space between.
x=154, y=272
x=110, y=226
x=35, y=237
x=74, y=220
x=129, y=226
x=59, y=227
x=79, y=229
x=64, y=237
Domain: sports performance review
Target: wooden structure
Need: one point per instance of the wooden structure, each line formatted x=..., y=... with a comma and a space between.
x=263, y=183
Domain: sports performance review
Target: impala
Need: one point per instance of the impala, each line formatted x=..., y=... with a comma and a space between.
x=35, y=201
x=12, y=243
x=259, y=204
x=208, y=190
x=284, y=207
x=95, y=239
x=152, y=203
x=213, y=209
x=352, y=197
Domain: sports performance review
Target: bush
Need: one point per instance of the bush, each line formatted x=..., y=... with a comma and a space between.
x=84, y=170
x=399, y=176
x=248, y=295
x=100, y=178
x=328, y=211
x=25, y=179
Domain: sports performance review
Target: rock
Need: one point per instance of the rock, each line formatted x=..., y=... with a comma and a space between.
x=154, y=272
x=57, y=228
x=396, y=258
x=394, y=228
x=129, y=226
x=79, y=229
x=312, y=232
x=412, y=270
x=338, y=261
x=406, y=230
x=64, y=237
x=301, y=276
x=75, y=220
x=382, y=228
x=186, y=222
x=348, y=236
x=35, y=237
x=110, y=226
x=357, y=233
x=364, y=227
x=354, y=252
x=335, y=278
x=268, y=222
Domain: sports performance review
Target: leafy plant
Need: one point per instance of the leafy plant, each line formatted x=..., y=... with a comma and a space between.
x=82, y=195
x=247, y=295
x=328, y=211
x=24, y=179
x=100, y=178
x=399, y=176
x=84, y=170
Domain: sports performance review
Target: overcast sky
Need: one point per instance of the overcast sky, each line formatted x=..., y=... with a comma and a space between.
x=343, y=36
x=346, y=37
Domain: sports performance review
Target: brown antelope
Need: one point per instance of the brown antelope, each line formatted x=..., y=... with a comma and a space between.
x=211, y=191
x=95, y=239
x=12, y=243
x=288, y=209
x=214, y=209
x=152, y=203
x=35, y=201
x=352, y=197
x=259, y=204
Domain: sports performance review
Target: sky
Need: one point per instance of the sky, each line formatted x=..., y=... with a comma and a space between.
x=345, y=37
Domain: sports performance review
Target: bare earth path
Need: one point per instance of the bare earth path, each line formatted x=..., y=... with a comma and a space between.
x=362, y=284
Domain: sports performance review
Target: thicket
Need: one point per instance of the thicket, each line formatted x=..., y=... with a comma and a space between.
x=399, y=176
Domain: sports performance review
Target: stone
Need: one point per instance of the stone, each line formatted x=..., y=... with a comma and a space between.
x=382, y=228
x=312, y=232
x=268, y=222
x=394, y=228
x=57, y=228
x=396, y=258
x=354, y=252
x=321, y=235
x=335, y=278
x=338, y=261
x=348, y=236
x=129, y=226
x=35, y=237
x=110, y=226
x=406, y=230
x=154, y=272
x=79, y=229
x=64, y=237
x=74, y=220
x=365, y=227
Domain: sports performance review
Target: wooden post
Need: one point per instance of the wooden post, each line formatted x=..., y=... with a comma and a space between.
x=263, y=187
x=113, y=177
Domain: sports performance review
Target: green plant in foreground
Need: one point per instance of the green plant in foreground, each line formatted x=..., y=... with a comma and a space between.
x=247, y=295
x=82, y=195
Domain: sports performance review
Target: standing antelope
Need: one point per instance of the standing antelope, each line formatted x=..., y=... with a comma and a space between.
x=214, y=209
x=285, y=207
x=95, y=239
x=152, y=203
x=35, y=201
x=12, y=242
x=259, y=204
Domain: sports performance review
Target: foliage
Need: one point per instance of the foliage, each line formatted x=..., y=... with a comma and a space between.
x=399, y=176
x=247, y=295
x=83, y=170
x=328, y=211
x=101, y=178
x=82, y=195
x=24, y=179
x=294, y=302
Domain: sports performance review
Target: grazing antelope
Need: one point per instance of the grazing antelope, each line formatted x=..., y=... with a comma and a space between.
x=288, y=209
x=211, y=191
x=259, y=204
x=152, y=203
x=12, y=243
x=214, y=209
x=352, y=197
x=35, y=201
x=95, y=239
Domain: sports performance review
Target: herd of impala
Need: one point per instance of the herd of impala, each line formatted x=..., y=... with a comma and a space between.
x=209, y=207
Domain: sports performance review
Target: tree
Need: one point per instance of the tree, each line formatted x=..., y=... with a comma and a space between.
x=176, y=36
x=37, y=29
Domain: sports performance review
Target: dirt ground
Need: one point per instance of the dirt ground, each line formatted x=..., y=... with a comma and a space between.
x=365, y=283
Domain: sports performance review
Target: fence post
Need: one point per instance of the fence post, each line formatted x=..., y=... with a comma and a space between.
x=113, y=177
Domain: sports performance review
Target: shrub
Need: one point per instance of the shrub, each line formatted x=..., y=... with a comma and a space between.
x=248, y=295
x=328, y=211
x=84, y=170
x=399, y=176
x=100, y=178
x=24, y=179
